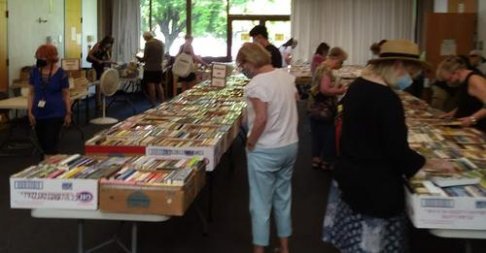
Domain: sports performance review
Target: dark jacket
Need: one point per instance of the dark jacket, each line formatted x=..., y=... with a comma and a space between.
x=374, y=151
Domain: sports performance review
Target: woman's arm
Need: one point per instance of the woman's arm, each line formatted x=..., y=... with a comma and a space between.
x=30, y=103
x=67, y=102
x=327, y=88
x=259, y=123
x=477, y=89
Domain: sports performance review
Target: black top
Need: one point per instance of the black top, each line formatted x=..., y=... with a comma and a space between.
x=276, y=56
x=374, y=151
x=468, y=104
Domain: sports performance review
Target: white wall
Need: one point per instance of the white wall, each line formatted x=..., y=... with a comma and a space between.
x=441, y=6
x=90, y=27
x=482, y=26
x=25, y=34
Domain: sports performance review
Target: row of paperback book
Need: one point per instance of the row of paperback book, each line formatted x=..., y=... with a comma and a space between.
x=462, y=149
x=136, y=170
x=200, y=117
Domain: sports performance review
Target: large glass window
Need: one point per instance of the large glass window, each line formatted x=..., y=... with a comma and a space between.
x=209, y=27
x=260, y=7
x=167, y=19
x=216, y=32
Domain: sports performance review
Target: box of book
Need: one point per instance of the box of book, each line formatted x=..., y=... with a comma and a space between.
x=153, y=186
x=100, y=145
x=62, y=181
x=440, y=212
x=179, y=149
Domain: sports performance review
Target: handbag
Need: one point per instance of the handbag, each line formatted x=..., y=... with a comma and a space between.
x=321, y=107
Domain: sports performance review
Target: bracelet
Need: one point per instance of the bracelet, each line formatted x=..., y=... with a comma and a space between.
x=473, y=120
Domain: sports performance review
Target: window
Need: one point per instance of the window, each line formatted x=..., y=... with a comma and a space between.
x=216, y=32
x=260, y=7
x=167, y=20
x=209, y=27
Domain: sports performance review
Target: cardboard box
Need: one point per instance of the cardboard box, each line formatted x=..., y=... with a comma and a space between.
x=446, y=212
x=168, y=200
x=54, y=193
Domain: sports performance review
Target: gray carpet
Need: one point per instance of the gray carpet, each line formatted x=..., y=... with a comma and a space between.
x=228, y=232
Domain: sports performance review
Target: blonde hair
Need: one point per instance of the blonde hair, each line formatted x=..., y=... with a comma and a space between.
x=253, y=53
x=337, y=53
x=449, y=65
x=384, y=69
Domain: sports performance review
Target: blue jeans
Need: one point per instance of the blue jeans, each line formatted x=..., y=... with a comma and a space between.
x=323, y=140
x=269, y=176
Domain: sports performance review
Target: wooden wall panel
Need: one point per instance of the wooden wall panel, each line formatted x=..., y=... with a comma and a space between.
x=3, y=47
x=470, y=6
x=72, y=28
x=442, y=26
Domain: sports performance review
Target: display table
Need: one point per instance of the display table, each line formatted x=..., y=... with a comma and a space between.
x=460, y=234
x=82, y=215
x=21, y=103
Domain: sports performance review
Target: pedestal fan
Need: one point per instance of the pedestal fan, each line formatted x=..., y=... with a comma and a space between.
x=109, y=84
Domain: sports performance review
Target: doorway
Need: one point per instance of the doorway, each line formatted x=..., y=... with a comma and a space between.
x=239, y=27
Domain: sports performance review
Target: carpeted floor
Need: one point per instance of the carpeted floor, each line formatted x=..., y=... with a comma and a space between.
x=228, y=232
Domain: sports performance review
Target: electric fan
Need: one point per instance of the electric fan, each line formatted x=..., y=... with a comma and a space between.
x=109, y=84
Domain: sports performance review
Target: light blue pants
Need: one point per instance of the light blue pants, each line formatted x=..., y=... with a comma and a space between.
x=269, y=176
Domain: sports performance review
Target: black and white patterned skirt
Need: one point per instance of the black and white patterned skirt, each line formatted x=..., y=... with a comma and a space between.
x=352, y=232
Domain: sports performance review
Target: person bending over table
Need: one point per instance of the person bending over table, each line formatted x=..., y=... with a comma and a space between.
x=471, y=108
x=48, y=103
x=271, y=145
x=366, y=204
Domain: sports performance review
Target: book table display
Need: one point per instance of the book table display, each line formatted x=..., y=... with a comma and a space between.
x=450, y=204
x=136, y=188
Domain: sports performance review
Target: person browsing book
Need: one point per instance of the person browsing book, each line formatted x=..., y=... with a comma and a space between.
x=365, y=210
x=471, y=108
x=272, y=143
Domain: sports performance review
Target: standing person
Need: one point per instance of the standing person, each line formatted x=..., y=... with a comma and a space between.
x=286, y=51
x=259, y=34
x=322, y=109
x=319, y=56
x=365, y=210
x=100, y=55
x=190, y=80
x=153, y=55
x=49, y=103
x=471, y=108
x=271, y=144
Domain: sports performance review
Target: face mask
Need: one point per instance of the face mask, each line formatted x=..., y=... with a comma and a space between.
x=41, y=63
x=404, y=82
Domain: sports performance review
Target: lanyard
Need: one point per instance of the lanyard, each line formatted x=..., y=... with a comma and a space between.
x=43, y=83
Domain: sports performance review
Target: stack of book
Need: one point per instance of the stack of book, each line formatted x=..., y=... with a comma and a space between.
x=435, y=138
x=73, y=167
x=152, y=171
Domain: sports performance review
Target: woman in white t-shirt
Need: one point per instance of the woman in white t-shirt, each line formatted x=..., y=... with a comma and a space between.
x=272, y=143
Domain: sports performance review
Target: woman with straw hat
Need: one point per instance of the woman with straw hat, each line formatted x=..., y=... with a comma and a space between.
x=365, y=211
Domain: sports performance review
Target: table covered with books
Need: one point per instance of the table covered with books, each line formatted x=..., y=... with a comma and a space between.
x=151, y=164
x=453, y=203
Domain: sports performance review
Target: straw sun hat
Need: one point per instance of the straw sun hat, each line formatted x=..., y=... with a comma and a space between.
x=404, y=50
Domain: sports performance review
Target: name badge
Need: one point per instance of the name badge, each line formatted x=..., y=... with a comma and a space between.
x=41, y=104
